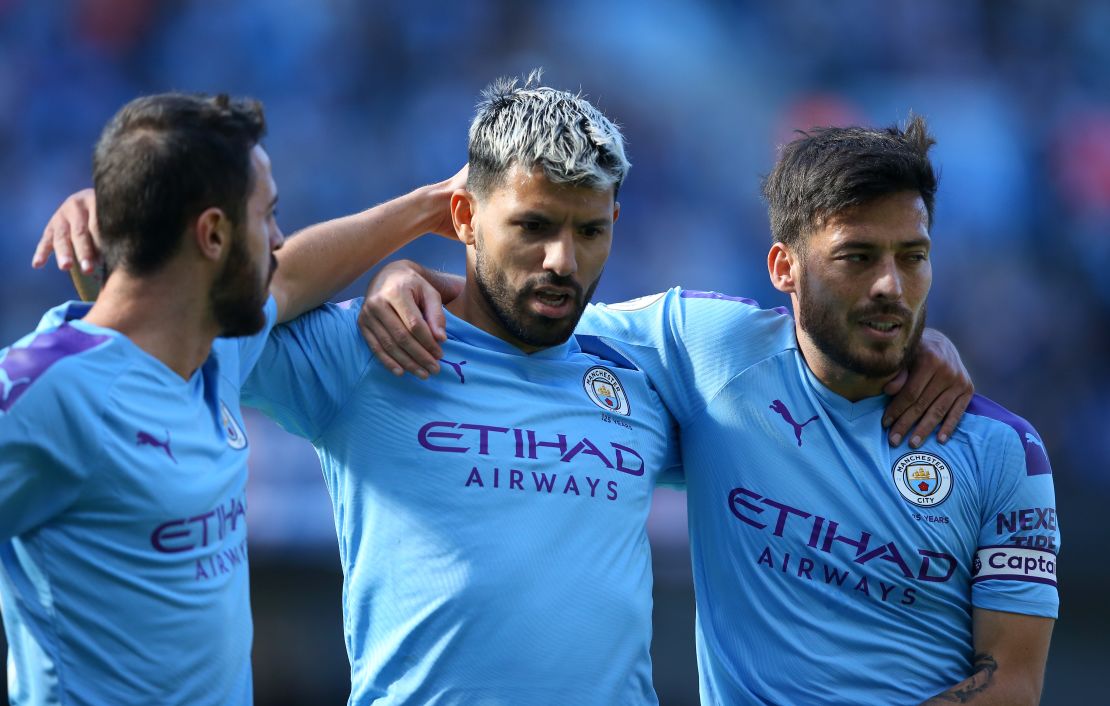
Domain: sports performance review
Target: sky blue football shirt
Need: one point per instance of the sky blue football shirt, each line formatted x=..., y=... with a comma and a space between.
x=829, y=567
x=491, y=520
x=123, y=555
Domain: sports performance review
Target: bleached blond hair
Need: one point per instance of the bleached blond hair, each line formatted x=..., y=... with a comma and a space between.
x=534, y=125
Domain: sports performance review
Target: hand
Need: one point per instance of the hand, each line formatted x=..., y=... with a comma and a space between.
x=936, y=387
x=442, y=224
x=71, y=232
x=402, y=319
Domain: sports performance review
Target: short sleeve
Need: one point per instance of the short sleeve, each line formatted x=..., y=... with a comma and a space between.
x=308, y=368
x=1014, y=568
x=250, y=347
x=41, y=474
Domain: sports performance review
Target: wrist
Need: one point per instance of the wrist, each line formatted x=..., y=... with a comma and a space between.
x=430, y=203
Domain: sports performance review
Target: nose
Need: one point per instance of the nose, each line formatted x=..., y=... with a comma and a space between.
x=559, y=256
x=277, y=239
x=888, y=281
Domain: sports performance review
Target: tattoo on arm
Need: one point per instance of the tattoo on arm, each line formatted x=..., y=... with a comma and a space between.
x=982, y=674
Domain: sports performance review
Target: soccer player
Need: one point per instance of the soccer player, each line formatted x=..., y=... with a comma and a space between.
x=829, y=567
x=123, y=574
x=491, y=522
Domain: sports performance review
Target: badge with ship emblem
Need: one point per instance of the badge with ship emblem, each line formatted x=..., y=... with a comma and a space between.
x=605, y=390
x=922, y=478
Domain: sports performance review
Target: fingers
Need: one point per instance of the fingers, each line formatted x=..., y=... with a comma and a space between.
x=44, y=248
x=415, y=337
x=944, y=399
x=955, y=414
x=70, y=234
x=399, y=336
x=63, y=248
x=902, y=402
x=916, y=413
x=85, y=249
x=932, y=416
x=432, y=308
x=384, y=348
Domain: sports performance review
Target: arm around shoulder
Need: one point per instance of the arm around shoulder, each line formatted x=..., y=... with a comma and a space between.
x=324, y=258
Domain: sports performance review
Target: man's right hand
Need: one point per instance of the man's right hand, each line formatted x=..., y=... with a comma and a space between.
x=402, y=317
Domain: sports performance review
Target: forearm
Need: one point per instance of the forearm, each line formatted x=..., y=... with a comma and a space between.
x=322, y=259
x=988, y=686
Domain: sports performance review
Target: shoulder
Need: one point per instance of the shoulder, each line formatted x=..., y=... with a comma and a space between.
x=990, y=425
x=58, y=362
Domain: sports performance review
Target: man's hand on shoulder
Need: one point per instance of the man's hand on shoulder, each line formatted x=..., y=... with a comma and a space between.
x=935, y=389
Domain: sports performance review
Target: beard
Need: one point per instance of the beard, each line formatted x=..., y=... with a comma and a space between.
x=830, y=331
x=511, y=308
x=239, y=295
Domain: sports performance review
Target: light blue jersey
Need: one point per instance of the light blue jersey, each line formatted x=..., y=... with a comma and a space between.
x=123, y=553
x=830, y=568
x=491, y=520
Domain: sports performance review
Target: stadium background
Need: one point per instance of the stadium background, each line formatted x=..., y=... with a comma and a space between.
x=367, y=99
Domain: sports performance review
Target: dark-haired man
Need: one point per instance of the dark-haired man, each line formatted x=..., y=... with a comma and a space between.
x=123, y=574
x=829, y=567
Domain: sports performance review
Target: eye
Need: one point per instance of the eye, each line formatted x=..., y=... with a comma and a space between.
x=530, y=226
x=591, y=232
x=853, y=257
x=917, y=256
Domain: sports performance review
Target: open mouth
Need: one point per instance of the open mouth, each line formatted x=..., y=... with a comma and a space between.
x=882, y=328
x=553, y=302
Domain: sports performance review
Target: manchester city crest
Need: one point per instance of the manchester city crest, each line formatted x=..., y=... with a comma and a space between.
x=605, y=390
x=922, y=478
x=236, y=439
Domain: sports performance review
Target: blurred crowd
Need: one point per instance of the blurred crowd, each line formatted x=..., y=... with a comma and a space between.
x=369, y=98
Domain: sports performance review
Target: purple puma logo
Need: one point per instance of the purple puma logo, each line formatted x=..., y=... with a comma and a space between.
x=145, y=439
x=780, y=407
x=457, y=367
x=9, y=384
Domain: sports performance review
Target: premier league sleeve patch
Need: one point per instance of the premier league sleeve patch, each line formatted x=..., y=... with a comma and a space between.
x=922, y=479
x=1014, y=564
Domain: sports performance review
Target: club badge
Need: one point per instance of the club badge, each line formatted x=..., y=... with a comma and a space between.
x=923, y=479
x=605, y=390
x=236, y=439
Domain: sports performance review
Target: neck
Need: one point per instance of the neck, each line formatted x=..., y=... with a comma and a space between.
x=849, y=385
x=166, y=314
x=471, y=306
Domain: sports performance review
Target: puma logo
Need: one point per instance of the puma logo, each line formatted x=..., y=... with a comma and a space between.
x=1030, y=439
x=9, y=385
x=457, y=367
x=145, y=439
x=780, y=407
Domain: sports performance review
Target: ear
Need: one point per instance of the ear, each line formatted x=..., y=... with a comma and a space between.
x=463, y=208
x=616, y=210
x=781, y=263
x=212, y=230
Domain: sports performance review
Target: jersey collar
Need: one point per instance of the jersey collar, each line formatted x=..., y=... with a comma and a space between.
x=470, y=334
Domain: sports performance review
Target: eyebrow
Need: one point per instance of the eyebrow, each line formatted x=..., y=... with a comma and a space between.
x=864, y=245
